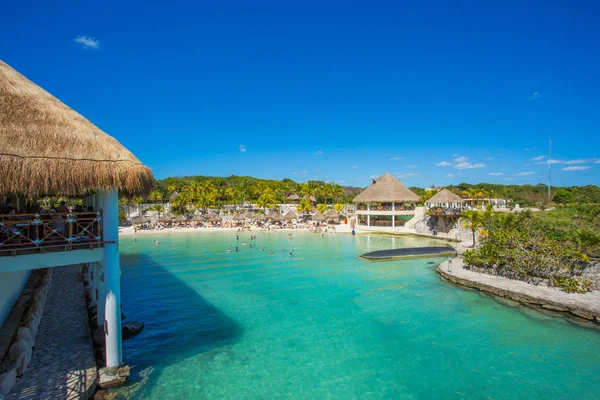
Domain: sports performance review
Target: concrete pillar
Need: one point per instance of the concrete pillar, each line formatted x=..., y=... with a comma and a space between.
x=100, y=306
x=112, y=280
x=368, y=220
x=393, y=214
x=93, y=283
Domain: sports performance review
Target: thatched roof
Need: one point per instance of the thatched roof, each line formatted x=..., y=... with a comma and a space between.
x=331, y=214
x=260, y=217
x=311, y=198
x=276, y=216
x=46, y=148
x=290, y=215
x=444, y=196
x=318, y=217
x=239, y=217
x=166, y=217
x=293, y=196
x=141, y=220
x=180, y=218
x=197, y=218
x=386, y=189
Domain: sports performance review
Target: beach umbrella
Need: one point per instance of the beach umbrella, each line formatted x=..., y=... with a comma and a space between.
x=180, y=218
x=250, y=215
x=239, y=217
x=215, y=218
x=290, y=215
x=197, y=218
x=166, y=218
x=318, y=217
x=293, y=196
x=332, y=215
x=260, y=217
x=140, y=220
x=275, y=216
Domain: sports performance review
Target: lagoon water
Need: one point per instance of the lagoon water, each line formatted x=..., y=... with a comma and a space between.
x=325, y=324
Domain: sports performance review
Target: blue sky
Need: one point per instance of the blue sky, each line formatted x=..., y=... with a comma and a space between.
x=332, y=90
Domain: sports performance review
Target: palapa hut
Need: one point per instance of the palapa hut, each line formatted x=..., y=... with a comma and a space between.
x=386, y=202
x=312, y=199
x=180, y=218
x=276, y=217
x=444, y=202
x=293, y=198
x=290, y=216
x=197, y=218
x=239, y=217
x=260, y=217
x=47, y=148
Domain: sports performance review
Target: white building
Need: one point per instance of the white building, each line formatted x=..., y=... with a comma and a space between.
x=47, y=149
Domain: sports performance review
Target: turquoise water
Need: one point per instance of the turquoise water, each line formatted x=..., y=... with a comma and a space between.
x=325, y=324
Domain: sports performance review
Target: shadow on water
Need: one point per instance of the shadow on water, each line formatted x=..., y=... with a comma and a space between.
x=179, y=322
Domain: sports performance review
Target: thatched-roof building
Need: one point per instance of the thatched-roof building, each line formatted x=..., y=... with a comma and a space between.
x=47, y=148
x=386, y=189
x=386, y=202
x=444, y=197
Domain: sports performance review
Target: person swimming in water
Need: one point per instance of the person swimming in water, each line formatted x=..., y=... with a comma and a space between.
x=243, y=243
x=281, y=248
x=237, y=249
x=237, y=237
x=157, y=243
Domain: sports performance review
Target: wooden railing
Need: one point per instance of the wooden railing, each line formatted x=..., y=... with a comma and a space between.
x=27, y=231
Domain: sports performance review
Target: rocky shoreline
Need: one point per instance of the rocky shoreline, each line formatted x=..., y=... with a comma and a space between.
x=584, y=306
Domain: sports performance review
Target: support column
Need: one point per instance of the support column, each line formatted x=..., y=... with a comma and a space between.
x=393, y=214
x=94, y=282
x=112, y=280
x=368, y=220
x=101, y=306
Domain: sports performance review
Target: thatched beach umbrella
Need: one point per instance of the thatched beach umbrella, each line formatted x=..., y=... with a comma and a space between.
x=180, y=218
x=293, y=197
x=239, y=217
x=290, y=215
x=318, y=217
x=332, y=215
x=49, y=149
x=444, y=196
x=197, y=218
x=260, y=217
x=166, y=218
x=140, y=220
x=215, y=218
x=250, y=215
x=275, y=217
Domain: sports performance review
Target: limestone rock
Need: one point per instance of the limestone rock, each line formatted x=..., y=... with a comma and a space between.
x=104, y=395
x=25, y=334
x=8, y=380
x=132, y=328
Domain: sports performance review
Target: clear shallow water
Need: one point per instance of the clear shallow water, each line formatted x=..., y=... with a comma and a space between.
x=326, y=324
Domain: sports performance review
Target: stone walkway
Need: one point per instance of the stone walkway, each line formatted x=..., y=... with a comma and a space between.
x=63, y=364
x=585, y=305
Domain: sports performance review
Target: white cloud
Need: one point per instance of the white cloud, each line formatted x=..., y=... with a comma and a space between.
x=450, y=176
x=443, y=164
x=411, y=166
x=355, y=166
x=468, y=165
x=496, y=174
x=461, y=159
x=242, y=148
x=304, y=171
x=318, y=153
x=454, y=155
x=578, y=168
x=578, y=161
x=395, y=158
x=489, y=159
x=342, y=182
x=88, y=42
x=534, y=95
x=408, y=174
x=551, y=161
x=539, y=158
x=525, y=173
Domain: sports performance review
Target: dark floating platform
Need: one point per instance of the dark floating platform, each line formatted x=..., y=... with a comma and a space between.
x=411, y=252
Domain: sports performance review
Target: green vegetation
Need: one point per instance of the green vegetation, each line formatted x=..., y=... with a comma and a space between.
x=527, y=246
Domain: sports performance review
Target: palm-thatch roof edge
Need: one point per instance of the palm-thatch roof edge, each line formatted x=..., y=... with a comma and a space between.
x=444, y=196
x=386, y=189
x=48, y=148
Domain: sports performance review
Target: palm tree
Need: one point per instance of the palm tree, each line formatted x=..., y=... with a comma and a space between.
x=338, y=207
x=321, y=208
x=243, y=187
x=266, y=199
x=305, y=206
x=220, y=185
x=472, y=220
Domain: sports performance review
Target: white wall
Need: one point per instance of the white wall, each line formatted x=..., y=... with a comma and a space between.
x=11, y=286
